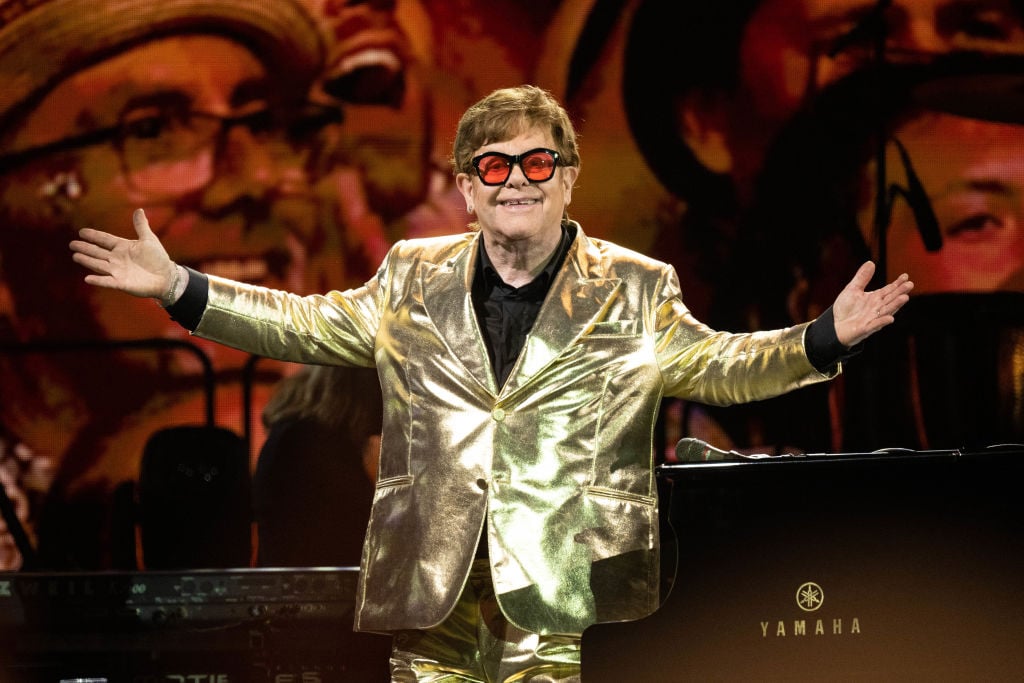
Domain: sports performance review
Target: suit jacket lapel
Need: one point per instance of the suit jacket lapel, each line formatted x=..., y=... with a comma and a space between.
x=446, y=291
x=579, y=295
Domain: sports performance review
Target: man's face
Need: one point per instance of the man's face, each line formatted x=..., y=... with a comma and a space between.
x=227, y=199
x=375, y=51
x=792, y=49
x=231, y=200
x=518, y=210
x=973, y=174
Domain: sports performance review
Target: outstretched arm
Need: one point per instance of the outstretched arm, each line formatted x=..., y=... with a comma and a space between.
x=140, y=267
x=859, y=313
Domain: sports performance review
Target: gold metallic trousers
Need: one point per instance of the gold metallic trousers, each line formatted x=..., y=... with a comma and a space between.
x=476, y=643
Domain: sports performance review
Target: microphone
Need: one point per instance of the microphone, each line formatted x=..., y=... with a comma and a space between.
x=690, y=449
x=919, y=203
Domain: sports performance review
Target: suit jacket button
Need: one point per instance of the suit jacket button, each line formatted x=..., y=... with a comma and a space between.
x=482, y=483
x=498, y=414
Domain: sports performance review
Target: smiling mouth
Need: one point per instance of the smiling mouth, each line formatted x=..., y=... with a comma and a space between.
x=518, y=202
x=372, y=74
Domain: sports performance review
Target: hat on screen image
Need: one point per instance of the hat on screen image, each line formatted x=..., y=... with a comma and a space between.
x=673, y=51
x=42, y=42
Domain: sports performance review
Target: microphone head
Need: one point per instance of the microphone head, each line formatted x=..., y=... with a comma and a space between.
x=690, y=449
x=920, y=204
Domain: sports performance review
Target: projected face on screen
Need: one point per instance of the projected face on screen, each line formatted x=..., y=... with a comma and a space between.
x=246, y=169
x=191, y=128
x=973, y=174
x=188, y=128
x=970, y=174
x=791, y=49
x=768, y=129
x=376, y=51
x=783, y=130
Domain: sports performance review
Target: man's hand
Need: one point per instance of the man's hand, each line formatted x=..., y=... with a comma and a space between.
x=859, y=313
x=140, y=267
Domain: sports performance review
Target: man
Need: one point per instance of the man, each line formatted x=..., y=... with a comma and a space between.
x=200, y=110
x=951, y=384
x=744, y=79
x=522, y=366
x=752, y=73
x=772, y=112
x=746, y=68
x=379, y=66
x=187, y=106
x=973, y=174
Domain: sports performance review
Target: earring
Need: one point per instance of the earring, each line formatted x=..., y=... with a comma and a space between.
x=469, y=208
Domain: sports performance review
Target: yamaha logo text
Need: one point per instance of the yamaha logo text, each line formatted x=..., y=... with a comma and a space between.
x=810, y=597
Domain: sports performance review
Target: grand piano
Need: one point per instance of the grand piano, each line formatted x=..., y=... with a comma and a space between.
x=884, y=566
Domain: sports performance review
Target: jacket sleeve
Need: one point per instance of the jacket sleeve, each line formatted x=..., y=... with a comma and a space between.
x=723, y=368
x=337, y=328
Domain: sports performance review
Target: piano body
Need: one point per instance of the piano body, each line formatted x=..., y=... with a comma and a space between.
x=894, y=566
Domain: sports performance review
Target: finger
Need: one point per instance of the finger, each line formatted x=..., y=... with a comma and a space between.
x=99, y=238
x=100, y=280
x=141, y=224
x=905, y=284
x=897, y=284
x=96, y=265
x=90, y=249
x=863, y=276
x=887, y=308
x=894, y=295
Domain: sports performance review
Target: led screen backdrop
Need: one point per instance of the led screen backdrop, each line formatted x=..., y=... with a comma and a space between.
x=765, y=148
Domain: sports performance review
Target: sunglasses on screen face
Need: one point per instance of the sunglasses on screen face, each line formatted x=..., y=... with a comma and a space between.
x=538, y=165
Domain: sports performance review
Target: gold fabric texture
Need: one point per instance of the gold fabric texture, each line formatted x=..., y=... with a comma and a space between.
x=476, y=643
x=560, y=459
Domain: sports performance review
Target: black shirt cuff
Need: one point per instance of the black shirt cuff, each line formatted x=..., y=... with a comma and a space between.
x=188, y=310
x=824, y=349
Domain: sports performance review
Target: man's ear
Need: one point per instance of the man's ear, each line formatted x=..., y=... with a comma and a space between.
x=465, y=185
x=703, y=124
x=569, y=175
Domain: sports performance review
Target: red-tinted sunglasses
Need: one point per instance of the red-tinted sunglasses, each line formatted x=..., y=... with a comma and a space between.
x=538, y=165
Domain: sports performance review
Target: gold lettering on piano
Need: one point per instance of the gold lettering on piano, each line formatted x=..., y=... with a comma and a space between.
x=839, y=626
x=810, y=597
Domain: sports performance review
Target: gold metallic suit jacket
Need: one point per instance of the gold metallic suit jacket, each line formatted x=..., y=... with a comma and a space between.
x=559, y=460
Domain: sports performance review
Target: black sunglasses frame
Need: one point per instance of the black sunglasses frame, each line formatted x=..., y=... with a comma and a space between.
x=512, y=160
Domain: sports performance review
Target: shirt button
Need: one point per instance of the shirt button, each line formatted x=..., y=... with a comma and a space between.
x=498, y=414
x=482, y=484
